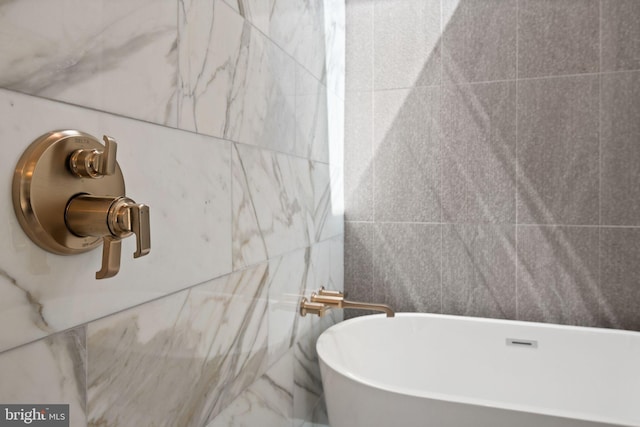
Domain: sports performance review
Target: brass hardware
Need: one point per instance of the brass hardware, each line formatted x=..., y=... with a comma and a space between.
x=328, y=293
x=307, y=307
x=69, y=196
x=325, y=299
x=91, y=163
x=112, y=219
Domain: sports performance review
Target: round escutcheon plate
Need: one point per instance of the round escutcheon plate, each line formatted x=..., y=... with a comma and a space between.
x=43, y=184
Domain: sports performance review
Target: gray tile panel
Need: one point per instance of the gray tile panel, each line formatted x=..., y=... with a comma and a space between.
x=558, y=275
x=620, y=35
x=558, y=37
x=619, y=255
x=407, y=155
x=558, y=151
x=620, y=127
x=406, y=43
x=479, y=153
x=407, y=266
x=479, y=270
x=471, y=52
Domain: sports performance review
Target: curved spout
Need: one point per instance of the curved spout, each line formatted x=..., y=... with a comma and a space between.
x=366, y=306
x=334, y=299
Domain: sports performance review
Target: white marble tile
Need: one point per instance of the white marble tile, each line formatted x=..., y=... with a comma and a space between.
x=49, y=371
x=266, y=403
x=298, y=27
x=183, y=177
x=319, y=274
x=336, y=117
x=324, y=270
x=235, y=5
x=319, y=416
x=328, y=219
x=280, y=203
x=243, y=89
x=112, y=55
x=307, y=381
x=272, y=212
x=180, y=360
x=296, y=275
x=258, y=12
x=335, y=45
x=249, y=246
x=312, y=127
x=287, y=285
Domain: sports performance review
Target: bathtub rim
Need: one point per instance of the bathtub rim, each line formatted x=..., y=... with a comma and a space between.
x=469, y=400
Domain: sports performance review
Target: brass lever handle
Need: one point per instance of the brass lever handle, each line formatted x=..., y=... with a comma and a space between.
x=111, y=250
x=141, y=228
x=112, y=218
x=93, y=163
x=107, y=159
x=327, y=293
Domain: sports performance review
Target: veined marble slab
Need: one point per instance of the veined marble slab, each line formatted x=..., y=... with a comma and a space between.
x=312, y=127
x=328, y=218
x=293, y=276
x=49, y=371
x=335, y=43
x=180, y=360
x=297, y=26
x=270, y=400
x=113, y=55
x=280, y=203
x=266, y=403
x=183, y=177
x=319, y=416
x=235, y=83
x=288, y=278
x=307, y=388
x=324, y=270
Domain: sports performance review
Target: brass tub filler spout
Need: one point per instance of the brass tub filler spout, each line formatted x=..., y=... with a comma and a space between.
x=323, y=300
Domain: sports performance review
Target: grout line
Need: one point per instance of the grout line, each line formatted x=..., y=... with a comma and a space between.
x=86, y=372
x=160, y=125
x=441, y=153
x=515, y=257
x=232, y=150
x=187, y=288
x=372, y=106
x=372, y=142
x=600, y=312
x=178, y=78
x=496, y=224
x=276, y=44
x=600, y=116
x=484, y=82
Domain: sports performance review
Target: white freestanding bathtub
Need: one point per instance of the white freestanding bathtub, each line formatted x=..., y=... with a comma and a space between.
x=448, y=371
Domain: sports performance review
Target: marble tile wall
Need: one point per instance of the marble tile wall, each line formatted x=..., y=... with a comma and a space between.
x=491, y=158
x=229, y=120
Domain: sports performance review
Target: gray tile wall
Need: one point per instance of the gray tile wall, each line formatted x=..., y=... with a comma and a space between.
x=494, y=170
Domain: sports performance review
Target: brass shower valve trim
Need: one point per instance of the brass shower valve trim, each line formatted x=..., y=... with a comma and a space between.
x=69, y=197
